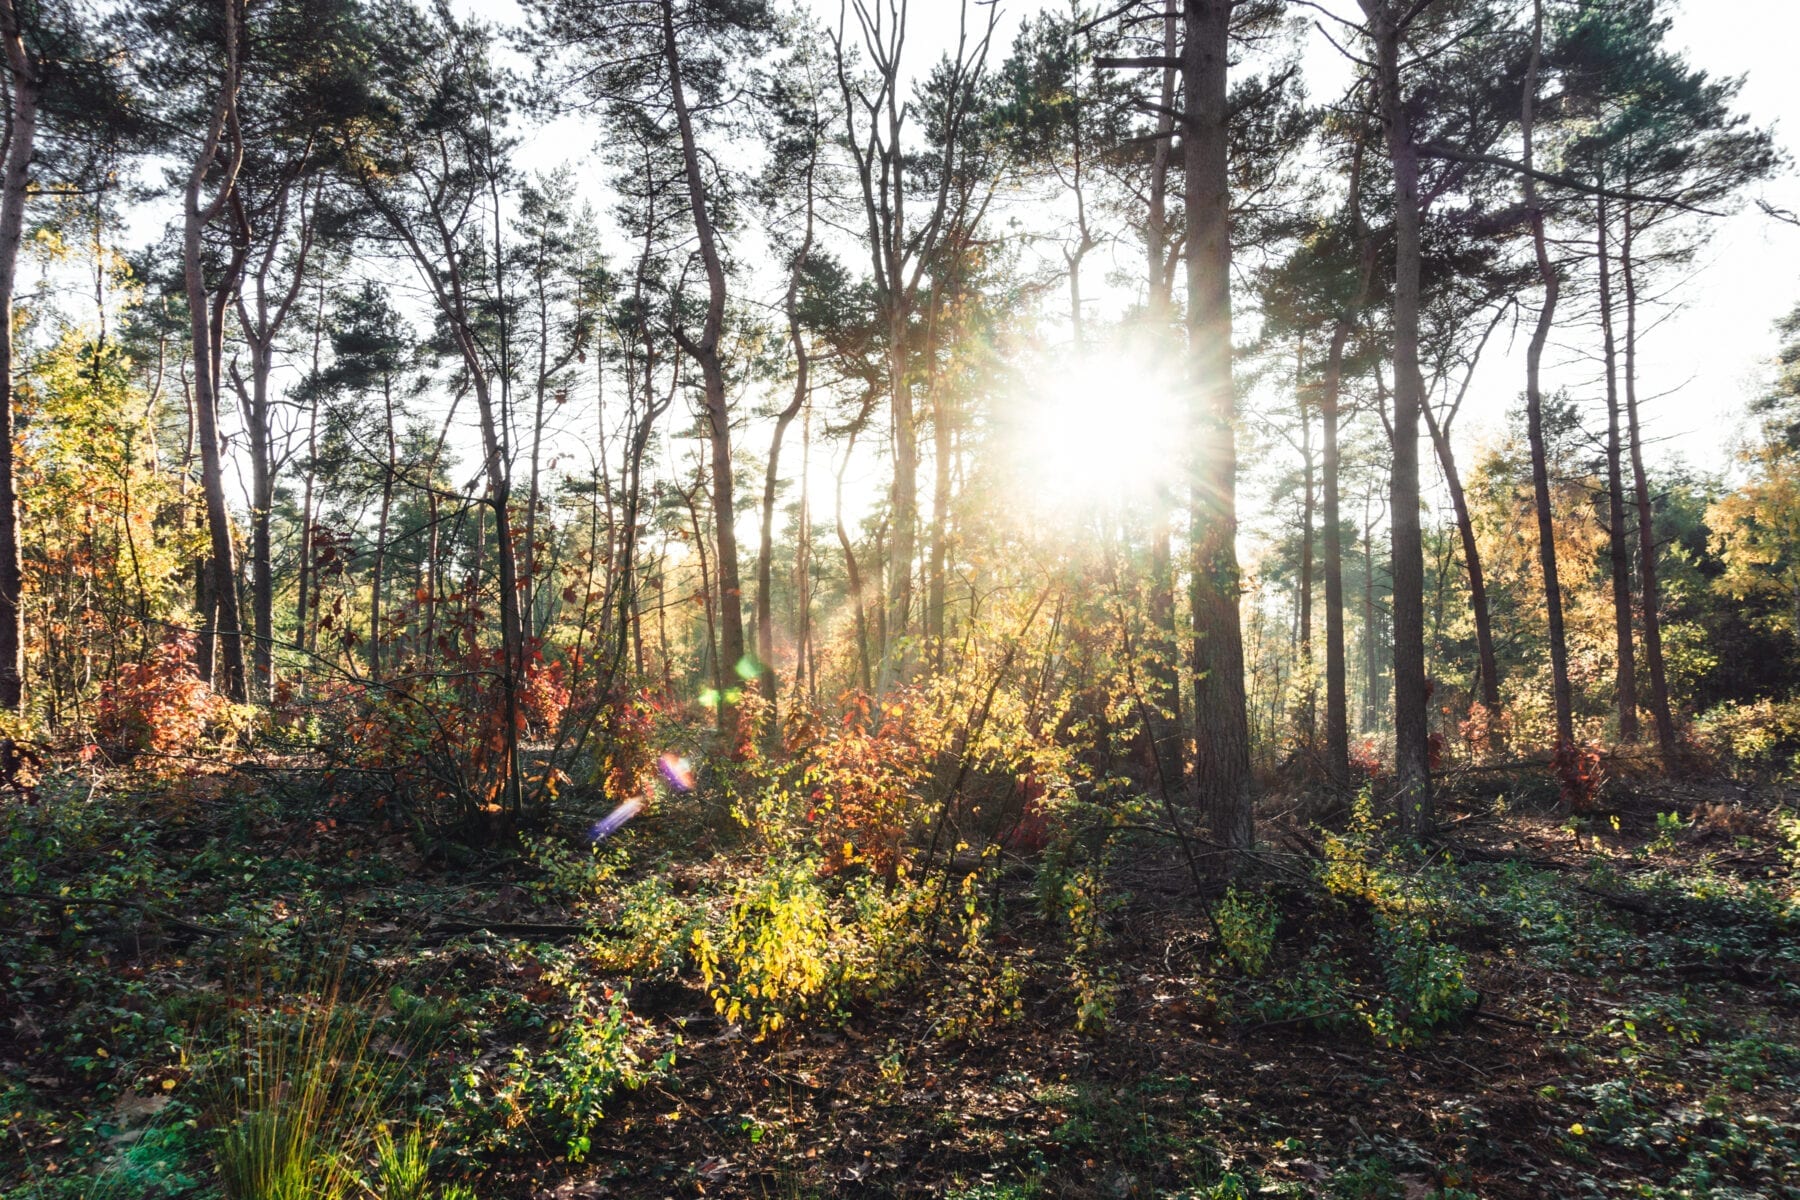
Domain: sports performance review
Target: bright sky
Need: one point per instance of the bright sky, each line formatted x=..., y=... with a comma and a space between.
x=1698, y=367
x=1706, y=360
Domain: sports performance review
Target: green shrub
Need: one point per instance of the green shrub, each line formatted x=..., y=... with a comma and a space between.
x=1427, y=980
x=774, y=957
x=1246, y=925
x=656, y=931
x=1759, y=737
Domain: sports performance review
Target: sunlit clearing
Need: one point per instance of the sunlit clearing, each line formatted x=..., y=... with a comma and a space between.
x=1097, y=432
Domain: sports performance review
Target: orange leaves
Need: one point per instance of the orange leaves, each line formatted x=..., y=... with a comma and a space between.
x=159, y=707
x=1579, y=775
x=862, y=777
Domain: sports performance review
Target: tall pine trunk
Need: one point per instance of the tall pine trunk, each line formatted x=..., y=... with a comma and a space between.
x=1221, y=724
x=15, y=182
x=765, y=551
x=1337, y=701
x=1646, y=514
x=1165, y=664
x=1308, y=512
x=381, y=532
x=1625, y=670
x=705, y=351
x=203, y=324
x=1412, y=749
x=1534, y=409
x=1488, y=662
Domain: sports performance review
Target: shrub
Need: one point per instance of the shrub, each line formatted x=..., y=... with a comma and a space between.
x=1246, y=925
x=774, y=957
x=861, y=778
x=159, y=708
x=594, y=1057
x=1579, y=776
x=442, y=740
x=1427, y=980
x=1761, y=737
x=657, y=929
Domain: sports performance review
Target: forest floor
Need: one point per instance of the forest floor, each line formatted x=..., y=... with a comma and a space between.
x=1626, y=1015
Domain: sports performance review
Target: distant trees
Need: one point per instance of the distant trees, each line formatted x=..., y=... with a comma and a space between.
x=489, y=434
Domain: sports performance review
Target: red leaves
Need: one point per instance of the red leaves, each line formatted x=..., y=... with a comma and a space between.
x=158, y=707
x=862, y=776
x=1578, y=775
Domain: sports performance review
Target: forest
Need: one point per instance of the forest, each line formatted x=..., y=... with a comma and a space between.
x=812, y=598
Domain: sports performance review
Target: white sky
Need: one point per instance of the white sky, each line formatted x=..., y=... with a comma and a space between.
x=1700, y=365
x=1704, y=362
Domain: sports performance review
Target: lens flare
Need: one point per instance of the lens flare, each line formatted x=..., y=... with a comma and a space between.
x=678, y=771
x=615, y=820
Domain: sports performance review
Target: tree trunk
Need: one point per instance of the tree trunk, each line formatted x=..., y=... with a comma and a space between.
x=14, y=185
x=1534, y=411
x=1646, y=515
x=1488, y=663
x=1308, y=505
x=904, y=500
x=1371, y=648
x=1337, y=702
x=205, y=358
x=305, y=571
x=381, y=534
x=1619, y=555
x=1221, y=724
x=705, y=351
x=1165, y=664
x=765, y=567
x=1412, y=748
x=853, y=572
x=943, y=461
x=706, y=598
x=805, y=681
x=262, y=503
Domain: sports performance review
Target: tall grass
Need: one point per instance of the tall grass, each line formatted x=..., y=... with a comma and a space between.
x=303, y=1099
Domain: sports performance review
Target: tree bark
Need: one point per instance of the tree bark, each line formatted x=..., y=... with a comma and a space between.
x=705, y=351
x=1412, y=748
x=15, y=182
x=853, y=572
x=765, y=567
x=305, y=572
x=1337, y=703
x=1625, y=672
x=1534, y=409
x=1646, y=514
x=381, y=532
x=196, y=218
x=1308, y=512
x=1488, y=662
x=260, y=330
x=1221, y=724
x=1165, y=664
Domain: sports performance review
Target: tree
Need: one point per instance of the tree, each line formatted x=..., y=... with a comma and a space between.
x=1221, y=730
x=428, y=172
x=889, y=169
x=64, y=94
x=797, y=138
x=1662, y=144
x=666, y=69
x=1388, y=25
x=371, y=348
x=215, y=166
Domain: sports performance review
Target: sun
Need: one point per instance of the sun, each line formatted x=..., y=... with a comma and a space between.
x=1097, y=432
